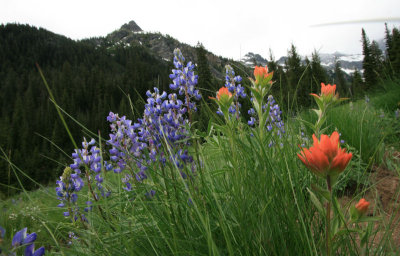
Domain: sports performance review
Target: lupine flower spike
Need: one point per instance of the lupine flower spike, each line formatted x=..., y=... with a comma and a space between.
x=21, y=238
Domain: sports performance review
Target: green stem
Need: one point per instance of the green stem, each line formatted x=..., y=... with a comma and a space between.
x=328, y=217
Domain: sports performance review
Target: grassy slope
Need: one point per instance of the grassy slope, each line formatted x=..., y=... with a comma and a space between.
x=236, y=207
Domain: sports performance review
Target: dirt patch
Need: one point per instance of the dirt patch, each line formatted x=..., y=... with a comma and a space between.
x=384, y=196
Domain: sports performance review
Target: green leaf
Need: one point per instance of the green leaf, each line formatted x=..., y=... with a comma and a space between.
x=347, y=231
x=337, y=207
x=322, y=192
x=256, y=94
x=306, y=123
x=368, y=219
x=316, y=202
x=353, y=213
x=317, y=111
x=209, y=127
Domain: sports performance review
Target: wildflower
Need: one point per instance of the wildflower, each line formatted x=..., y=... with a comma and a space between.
x=230, y=83
x=327, y=93
x=30, y=251
x=22, y=238
x=223, y=93
x=366, y=99
x=328, y=90
x=19, y=237
x=224, y=100
x=325, y=157
x=2, y=232
x=382, y=114
x=362, y=206
x=273, y=122
x=397, y=113
x=261, y=74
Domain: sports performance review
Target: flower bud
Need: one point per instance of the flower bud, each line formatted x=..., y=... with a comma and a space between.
x=362, y=206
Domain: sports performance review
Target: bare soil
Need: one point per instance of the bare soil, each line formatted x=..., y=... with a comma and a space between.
x=384, y=196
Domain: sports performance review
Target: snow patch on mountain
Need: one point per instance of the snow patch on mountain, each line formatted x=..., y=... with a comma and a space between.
x=348, y=62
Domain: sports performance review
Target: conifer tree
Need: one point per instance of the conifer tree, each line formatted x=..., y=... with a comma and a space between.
x=340, y=81
x=279, y=89
x=357, y=84
x=368, y=63
x=377, y=57
x=294, y=70
x=396, y=51
x=388, y=43
x=318, y=72
x=205, y=82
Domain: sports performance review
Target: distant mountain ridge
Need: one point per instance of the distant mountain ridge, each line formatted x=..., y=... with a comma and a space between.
x=348, y=62
x=162, y=46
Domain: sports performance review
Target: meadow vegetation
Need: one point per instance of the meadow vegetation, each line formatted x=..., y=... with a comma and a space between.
x=254, y=181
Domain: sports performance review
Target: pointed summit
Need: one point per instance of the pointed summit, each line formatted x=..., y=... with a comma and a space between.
x=131, y=26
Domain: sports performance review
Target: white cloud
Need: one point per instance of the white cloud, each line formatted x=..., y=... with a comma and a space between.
x=227, y=28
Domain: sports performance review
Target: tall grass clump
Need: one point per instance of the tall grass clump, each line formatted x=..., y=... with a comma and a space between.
x=157, y=186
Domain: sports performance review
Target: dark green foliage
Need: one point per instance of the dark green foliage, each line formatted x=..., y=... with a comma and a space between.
x=207, y=86
x=206, y=83
x=369, y=64
x=357, y=84
x=340, y=81
x=298, y=88
x=319, y=73
x=395, y=59
x=87, y=80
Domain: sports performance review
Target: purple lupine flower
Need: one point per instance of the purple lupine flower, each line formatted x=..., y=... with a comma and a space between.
x=232, y=82
x=184, y=79
x=274, y=118
x=30, y=251
x=89, y=206
x=21, y=238
x=274, y=121
x=150, y=194
x=2, y=232
x=366, y=99
x=72, y=237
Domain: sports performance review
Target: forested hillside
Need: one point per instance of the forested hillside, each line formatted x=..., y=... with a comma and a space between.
x=87, y=82
x=91, y=77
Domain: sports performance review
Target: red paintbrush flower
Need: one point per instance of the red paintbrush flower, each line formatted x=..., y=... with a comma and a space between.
x=325, y=157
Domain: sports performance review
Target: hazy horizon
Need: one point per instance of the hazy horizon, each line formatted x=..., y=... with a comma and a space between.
x=227, y=28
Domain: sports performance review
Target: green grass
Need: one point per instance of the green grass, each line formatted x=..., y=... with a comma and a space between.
x=245, y=198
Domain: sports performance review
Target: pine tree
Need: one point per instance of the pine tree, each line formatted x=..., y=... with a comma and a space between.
x=388, y=44
x=396, y=51
x=368, y=63
x=279, y=88
x=357, y=84
x=205, y=82
x=377, y=56
x=340, y=81
x=294, y=70
x=318, y=72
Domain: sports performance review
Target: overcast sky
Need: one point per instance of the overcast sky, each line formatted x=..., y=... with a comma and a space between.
x=226, y=28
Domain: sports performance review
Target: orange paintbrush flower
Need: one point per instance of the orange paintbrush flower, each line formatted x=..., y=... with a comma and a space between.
x=325, y=157
x=362, y=206
x=327, y=92
x=223, y=92
x=260, y=73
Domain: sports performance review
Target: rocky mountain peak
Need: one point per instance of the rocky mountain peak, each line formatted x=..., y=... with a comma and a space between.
x=131, y=26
